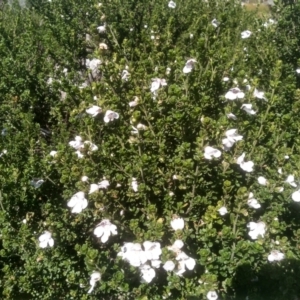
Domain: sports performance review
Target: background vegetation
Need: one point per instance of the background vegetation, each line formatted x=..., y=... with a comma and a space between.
x=43, y=107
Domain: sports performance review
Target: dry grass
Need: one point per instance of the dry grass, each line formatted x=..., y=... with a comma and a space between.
x=262, y=9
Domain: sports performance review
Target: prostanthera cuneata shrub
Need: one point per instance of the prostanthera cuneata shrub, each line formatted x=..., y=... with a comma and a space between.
x=149, y=150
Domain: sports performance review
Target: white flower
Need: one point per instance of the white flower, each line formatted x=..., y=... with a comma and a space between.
x=234, y=93
x=110, y=116
x=102, y=28
x=155, y=263
x=298, y=71
x=212, y=295
x=259, y=94
x=191, y=35
x=256, y=229
x=223, y=211
x=95, y=276
x=177, y=245
x=184, y=262
x=134, y=102
x=253, y=202
x=79, y=154
x=134, y=184
x=279, y=189
x=103, y=46
x=225, y=79
x=156, y=83
x=141, y=126
x=93, y=188
x=189, y=262
x=78, y=202
x=210, y=152
x=77, y=143
x=291, y=180
x=246, y=34
x=280, y=170
x=3, y=152
x=275, y=255
x=189, y=66
x=248, y=87
x=94, y=110
x=152, y=250
x=227, y=143
x=240, y=159
x=93, y=64
x=85, y=84
x=46, y=240
x=53, y=153
x=104, y=184
x=148, y=273
x=168, y=71
x=135, y=130
x=50, y=81
x=231, y=116
x=125, y=75
x=84, y=178
x=180, y=268
x=92, y=146
x=169, y=266
x=231, y=137
x=172, y=4
x=246, y=166
x=133, y=253
x=269, y=22
x=296, y=196
x=248, y=109
x=262, y=180
x=36, y=183
x=177, y=223
x=138, y=127
x=104, y=230
x=215, y=23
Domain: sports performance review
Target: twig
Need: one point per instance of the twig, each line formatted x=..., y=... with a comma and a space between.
x=1, y=204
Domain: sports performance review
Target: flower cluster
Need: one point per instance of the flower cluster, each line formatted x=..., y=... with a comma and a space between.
x=146, y=259
x=104, y=230
x=104, y=184
x=79, y=146
x=184, y=262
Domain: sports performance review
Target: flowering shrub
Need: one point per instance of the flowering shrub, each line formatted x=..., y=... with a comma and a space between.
x=149, y=150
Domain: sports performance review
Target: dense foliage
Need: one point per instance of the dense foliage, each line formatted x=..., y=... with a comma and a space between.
x=56, y=64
